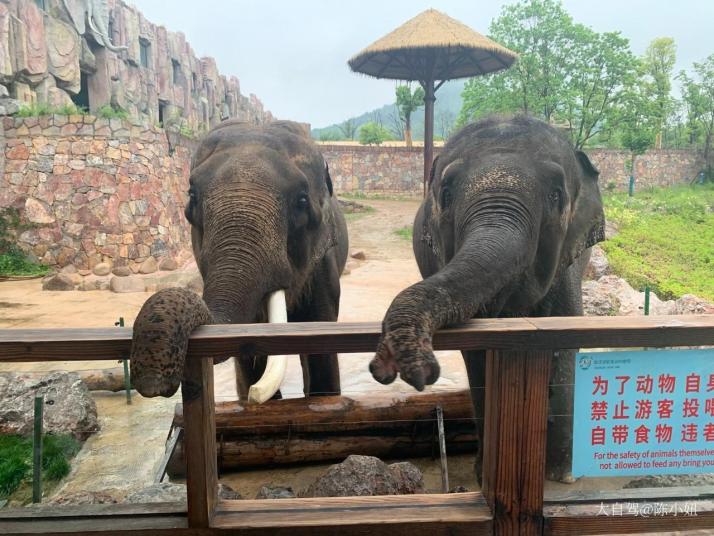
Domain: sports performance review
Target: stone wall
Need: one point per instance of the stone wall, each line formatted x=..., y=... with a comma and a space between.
x=96, y=190
x=95, y=53
x=372, y=169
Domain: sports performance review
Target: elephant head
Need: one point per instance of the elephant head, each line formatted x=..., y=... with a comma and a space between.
x=511, y=206
x=262, y=218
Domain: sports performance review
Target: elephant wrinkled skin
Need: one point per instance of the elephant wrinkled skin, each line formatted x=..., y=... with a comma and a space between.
x=504, y=231
x=263, y=219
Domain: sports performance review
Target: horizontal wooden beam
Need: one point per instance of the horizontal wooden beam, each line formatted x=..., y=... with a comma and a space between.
x=620, y=517
x=401, y=515
x=345, y=337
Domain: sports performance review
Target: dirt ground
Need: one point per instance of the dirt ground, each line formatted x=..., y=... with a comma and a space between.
x=125, y=454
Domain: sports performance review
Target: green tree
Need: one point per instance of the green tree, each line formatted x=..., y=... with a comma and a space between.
x=373, y=134
x=698, y=99
x=348, y=129
x=566, y=74
x=638, y=122
x=659, y=60
x=407, y=102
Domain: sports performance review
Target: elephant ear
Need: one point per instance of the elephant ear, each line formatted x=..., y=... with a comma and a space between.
x=432, y=172
x=587, y=225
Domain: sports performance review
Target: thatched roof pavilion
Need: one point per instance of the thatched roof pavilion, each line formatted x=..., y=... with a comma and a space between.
x=431, y=47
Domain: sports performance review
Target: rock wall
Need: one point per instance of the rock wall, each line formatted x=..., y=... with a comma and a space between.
x=95, y=53
x=371, y=169
x=96, y=190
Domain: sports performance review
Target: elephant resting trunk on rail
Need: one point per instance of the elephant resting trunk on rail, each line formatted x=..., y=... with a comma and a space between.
x=269, y=239
x=505, y=230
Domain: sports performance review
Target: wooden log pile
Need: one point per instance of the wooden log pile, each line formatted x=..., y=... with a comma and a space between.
x=330, y=428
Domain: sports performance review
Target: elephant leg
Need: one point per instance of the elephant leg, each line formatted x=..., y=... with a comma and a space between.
x=476, y=369
x=559, y=450
x=321, y=372
x=249, y=369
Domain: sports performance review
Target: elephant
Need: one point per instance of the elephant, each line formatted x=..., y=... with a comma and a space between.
x=265, y=223
x=505, y=230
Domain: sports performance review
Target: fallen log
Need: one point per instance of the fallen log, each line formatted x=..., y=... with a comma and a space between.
x=330, y=428
x=103, y=379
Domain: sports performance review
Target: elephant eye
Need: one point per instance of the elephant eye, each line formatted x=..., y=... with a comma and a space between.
x=302, y=201
x=191, y=194
x=556, y=199
x=445, y=198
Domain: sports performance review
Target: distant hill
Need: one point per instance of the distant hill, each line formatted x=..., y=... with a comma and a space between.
x=446, y=110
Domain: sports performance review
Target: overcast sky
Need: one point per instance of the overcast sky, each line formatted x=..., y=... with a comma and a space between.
x=293, y=54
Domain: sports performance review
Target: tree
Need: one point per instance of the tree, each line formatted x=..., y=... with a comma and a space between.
x=348, y=128
x=407, y=102
x=373, y=134
x=698, y=98
x=638, y=122
x=659, y=60
x=566, y=74
x=445, y=121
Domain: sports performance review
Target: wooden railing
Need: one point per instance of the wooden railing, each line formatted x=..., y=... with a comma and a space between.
x=512, y=501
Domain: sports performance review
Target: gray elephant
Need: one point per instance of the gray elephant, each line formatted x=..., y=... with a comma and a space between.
x=504, y=231
x=264, y=223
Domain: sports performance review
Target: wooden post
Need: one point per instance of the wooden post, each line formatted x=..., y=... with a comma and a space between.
x=199, y=441
x=429, y=99
x=515, y=439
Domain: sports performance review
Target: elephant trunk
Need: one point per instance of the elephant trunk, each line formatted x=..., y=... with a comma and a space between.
x=160, y=340
x=495, y=248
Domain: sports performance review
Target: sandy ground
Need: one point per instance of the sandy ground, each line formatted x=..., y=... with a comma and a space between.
x=126, y=453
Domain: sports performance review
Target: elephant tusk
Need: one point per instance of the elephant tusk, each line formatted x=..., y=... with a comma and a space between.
x=277, y=365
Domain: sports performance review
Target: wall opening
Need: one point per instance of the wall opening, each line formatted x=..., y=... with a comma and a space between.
x=162, y=112
x=144, y=52
x=175, y=71
x=81, y=99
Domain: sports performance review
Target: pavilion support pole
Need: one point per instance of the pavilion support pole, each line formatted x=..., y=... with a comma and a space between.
x=429, y=99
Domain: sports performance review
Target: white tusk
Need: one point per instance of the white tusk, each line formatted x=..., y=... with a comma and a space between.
x=277, y=365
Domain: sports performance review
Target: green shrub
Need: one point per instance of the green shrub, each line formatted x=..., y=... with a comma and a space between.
x=13, y=260
x=107, y=112
x=16, y=459
x=373, y=134
x=42, y=108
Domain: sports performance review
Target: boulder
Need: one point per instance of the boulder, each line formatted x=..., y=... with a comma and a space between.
x=69, y=407
x=85, y=497
x=103, y=268
x=275, y=492
x=58, y=282
x=690, y=304
x=63, y=51
x=127, y=284
x=598, y=265
x=612, y=295
x=149, y=266
x=366, y=475
x=196, y=284
x=84, y=272
x=227, y=492
x=69, y=269
x=156, y=493
x=168, y=264
x=358, y=254
x=122, y=271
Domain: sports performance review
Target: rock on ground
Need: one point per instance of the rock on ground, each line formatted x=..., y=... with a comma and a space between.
x=69, y=407
x=122, y=271
x=598, y=265
x=366, y=475
x=168, y=264
x=58, y=282
x=127, y=284
x=227, y=492
x=275, y=492
x=612, y=295
x=103, y=268
x=149, y=266
x=156, y=493
x=358, y=254
x=86, y=497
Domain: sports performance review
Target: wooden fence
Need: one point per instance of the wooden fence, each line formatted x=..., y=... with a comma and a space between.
x=512, y=501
